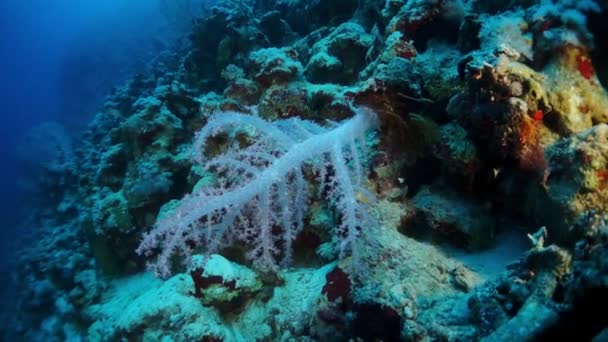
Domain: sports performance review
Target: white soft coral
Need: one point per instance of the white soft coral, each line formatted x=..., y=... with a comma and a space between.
x=262, y=186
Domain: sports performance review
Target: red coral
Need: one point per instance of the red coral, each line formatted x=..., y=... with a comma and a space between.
x=337, y=284
x=584, y=66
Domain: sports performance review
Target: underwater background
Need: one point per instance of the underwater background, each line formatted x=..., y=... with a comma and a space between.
x=304, y=170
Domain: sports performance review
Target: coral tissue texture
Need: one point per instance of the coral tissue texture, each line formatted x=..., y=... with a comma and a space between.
x=262, y=186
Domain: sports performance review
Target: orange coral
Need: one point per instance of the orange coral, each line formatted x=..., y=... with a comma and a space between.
x=528, y=147
x=602, y=177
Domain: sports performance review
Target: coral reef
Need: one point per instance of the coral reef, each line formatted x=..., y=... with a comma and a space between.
x=421, y=131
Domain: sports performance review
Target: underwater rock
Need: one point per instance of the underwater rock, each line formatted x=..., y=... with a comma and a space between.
x=221, y=283
x=291, y=311
x=244, y=91
x=501, y=104
x=304, y=45
x=211, y=103
x=387, y=280
x=564, y=92
x=498, y=79
x=500, y=5
x=489, y=310
x=88, y=288
x=239, y=88
x=399, y=75
x=304, y=16
x=284, y=102
x=463, y=278
x=275, y=66
x=133, y=167
x=577, y=99
x=339, y=57
x=111, y=211
x=395, y=90
x=576, y=185
x=393, y=46
x=147, y=180
x=142, y=307
x=449, y=216
x=179, y=101
x=507, y=32
x=231, y=30
x=111, y=166
x=57, y=279
x=152, y=126
x=527, y=325
x=438, y=68
x=457, y=152
x=552, y=260
x=328, y=101
x=584, y=288
x=421, y=19
x=145, y=308
x=519, y=113
x=276, y=29
x=590, y=262
x=503, y=305
x=545, y=268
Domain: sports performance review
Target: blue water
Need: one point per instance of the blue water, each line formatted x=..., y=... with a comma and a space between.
x=58, y=61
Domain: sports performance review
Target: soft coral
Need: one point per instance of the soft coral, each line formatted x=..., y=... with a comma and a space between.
x=262, y=186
